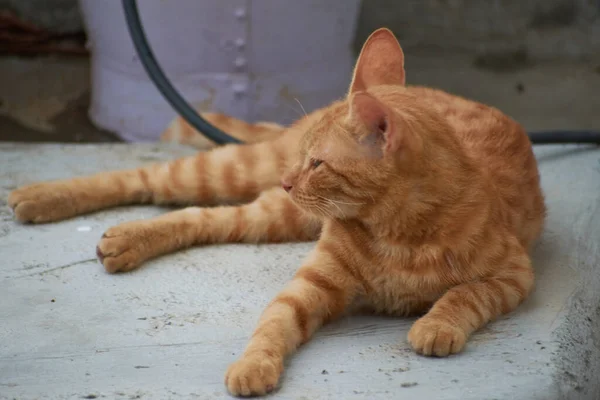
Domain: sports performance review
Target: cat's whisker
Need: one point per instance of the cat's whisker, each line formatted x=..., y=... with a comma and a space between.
x=342, y=202
x=301, y=106
x=322, y=210
x=348, y=203
x=329, y=201
x=338, y=207
x=326, y=211
x=311, y=202
x=291, y=107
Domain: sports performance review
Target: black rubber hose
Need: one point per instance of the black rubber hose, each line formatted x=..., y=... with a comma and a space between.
x=162, y=83
x=216, y=135
x=564, y=137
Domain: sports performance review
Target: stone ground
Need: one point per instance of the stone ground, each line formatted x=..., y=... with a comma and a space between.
x=169, y=329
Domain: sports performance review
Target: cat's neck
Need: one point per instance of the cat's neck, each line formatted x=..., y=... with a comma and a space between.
x=423, y=217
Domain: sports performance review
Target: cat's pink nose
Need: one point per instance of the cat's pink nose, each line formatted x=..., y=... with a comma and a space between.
x=286, y=186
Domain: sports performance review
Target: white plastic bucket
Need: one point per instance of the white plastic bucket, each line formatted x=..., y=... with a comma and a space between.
x=252, y=59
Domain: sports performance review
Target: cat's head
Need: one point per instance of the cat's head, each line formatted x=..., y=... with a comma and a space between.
x=374, y=140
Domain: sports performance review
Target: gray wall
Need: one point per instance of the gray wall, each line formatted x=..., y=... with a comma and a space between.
x=514, y=29
x=57, y=15
x=538, y=29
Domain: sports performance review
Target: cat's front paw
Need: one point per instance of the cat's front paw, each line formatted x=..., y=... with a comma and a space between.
x=253, y=375
x=123, y=247
x=431, y=336
x=42, y=202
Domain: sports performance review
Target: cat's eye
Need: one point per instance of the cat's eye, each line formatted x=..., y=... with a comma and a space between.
x=315, y=163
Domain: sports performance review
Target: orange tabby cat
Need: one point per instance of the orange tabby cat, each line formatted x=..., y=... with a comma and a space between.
x=426, y=203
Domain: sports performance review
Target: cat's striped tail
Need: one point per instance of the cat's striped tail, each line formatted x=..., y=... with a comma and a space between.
x=179, y=131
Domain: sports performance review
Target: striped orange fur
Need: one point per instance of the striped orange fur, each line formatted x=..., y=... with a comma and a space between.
x=179, y=131
x=422, y=203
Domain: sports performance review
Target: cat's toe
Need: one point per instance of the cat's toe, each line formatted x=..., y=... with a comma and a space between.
x=254, y=375
x=121, y=248
x=42, y=202
x=434, y=337
x=28, y=204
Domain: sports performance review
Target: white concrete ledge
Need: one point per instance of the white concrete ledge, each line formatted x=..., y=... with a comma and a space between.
x=169, y=329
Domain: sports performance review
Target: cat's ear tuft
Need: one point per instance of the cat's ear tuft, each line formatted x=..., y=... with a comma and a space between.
x=381, y=62
x=383, y=135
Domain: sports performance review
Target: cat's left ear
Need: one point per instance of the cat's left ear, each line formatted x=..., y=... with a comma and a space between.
x=381, y=62
x=383, y=135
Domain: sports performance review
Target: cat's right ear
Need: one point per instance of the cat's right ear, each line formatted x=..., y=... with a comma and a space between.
x=384, y=136
x=381, y=62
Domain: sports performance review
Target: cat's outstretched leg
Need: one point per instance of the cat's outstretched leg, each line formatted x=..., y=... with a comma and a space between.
x=465, y=308
x=272, y=217
x=320, y=292
x=180, y=131
x=234, y=173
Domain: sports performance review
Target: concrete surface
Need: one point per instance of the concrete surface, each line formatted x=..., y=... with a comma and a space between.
x=168, y=330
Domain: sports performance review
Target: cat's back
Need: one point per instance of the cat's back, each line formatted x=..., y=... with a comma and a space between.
x=484, y=131
x=502, y=150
